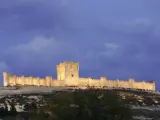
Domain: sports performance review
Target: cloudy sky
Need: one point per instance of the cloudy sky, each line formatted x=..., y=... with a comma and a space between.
x=118, y=39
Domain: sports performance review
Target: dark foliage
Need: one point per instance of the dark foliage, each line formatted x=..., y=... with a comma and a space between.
x=30, y=106
x=85, y=105
x=13, y=110
x=4, y=111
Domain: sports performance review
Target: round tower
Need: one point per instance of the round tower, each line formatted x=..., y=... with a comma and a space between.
x=6, y=78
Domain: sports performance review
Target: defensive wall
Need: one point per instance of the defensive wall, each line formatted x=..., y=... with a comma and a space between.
x=13, y=80
x=68, y=75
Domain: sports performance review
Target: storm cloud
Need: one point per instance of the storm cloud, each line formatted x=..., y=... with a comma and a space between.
x=118, y=39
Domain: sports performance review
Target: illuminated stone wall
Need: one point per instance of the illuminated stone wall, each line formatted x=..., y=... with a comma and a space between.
x=68, y=75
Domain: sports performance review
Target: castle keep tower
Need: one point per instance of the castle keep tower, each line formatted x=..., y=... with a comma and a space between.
x=68, y=70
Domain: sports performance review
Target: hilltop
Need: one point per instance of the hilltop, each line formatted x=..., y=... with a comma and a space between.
x=142, y=103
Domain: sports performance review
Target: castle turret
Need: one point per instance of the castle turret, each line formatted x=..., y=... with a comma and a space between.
x=6, y=78
x=154, y=85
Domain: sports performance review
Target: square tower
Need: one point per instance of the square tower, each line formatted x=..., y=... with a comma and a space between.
x=67, y=70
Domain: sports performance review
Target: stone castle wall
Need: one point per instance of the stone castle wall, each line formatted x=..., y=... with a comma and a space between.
x=102, y=82
x=68, y=75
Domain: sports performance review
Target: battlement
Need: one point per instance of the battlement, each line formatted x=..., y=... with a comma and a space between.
x=67, y=62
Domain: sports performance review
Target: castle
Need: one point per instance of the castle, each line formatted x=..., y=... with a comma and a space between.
x=68, y=75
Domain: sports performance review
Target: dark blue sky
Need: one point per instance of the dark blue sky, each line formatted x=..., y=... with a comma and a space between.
x=118, y=39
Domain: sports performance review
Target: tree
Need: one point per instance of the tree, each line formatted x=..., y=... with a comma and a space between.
x=26, y=106
x=2, y=114
x=13, y=110
x=6, y=112
x=39, y=116
x=6, y=107
x=30, y=106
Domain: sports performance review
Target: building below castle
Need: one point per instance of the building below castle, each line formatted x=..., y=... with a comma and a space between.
x=68, y=75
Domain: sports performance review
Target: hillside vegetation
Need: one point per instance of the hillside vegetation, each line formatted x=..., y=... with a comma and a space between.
x=90, y=104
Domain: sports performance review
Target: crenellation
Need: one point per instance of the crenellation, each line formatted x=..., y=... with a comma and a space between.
x=68, y=75
x=123, y=84
x=112, y=83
